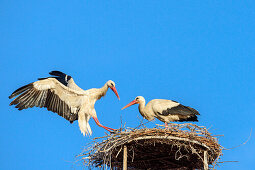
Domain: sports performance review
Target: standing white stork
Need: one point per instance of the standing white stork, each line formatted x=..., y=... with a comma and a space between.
x=61, y=95
x=164, y=110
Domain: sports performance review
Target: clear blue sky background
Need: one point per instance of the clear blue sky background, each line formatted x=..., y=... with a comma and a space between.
x=198, y=53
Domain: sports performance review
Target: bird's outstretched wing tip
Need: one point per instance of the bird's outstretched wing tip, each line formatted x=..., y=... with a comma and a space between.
x=57, y=73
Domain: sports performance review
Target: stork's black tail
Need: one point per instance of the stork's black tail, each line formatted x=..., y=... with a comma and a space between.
x=194, y=111
x=192, y=114
x=193, y=118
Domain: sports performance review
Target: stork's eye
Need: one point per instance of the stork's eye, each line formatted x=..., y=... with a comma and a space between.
x=137, y=98
x=111, y=84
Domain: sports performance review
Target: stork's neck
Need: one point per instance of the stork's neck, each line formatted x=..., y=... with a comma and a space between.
x=142, y=109
x=102, y=91
x=145, y=111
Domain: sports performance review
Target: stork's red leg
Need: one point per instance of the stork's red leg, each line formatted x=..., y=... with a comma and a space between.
x=99, y=124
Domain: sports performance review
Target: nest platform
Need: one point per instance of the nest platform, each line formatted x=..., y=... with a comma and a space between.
x=180, y=146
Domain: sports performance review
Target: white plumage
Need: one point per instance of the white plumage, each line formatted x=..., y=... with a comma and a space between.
x=61, y=95
x=164, y=110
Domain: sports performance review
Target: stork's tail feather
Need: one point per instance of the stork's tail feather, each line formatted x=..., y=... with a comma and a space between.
x=85, y=130
x=84, y=125
x=190, y=119
x=21, y=90
x=194, y=111
x=57, y=73
x=89, y=129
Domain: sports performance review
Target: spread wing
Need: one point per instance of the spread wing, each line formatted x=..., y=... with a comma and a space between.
x=53, y=95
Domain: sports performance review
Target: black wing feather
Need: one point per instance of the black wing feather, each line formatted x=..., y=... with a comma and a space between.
x=30, y=97
x=21, y=90
x=60, y=76
x=58, y=73
x=185, y=113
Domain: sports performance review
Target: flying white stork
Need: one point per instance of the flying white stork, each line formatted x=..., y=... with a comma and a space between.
x=164, y=110
x=61, y=95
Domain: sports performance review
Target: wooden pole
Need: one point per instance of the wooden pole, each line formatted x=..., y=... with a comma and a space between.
x=125, y=158
x=205, y=161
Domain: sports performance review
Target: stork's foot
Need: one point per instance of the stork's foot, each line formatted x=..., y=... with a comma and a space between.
x=99, y=124
x=116, y=130
x=113, y=131
x=110, y=128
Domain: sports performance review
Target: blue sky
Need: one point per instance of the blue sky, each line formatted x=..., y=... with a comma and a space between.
x=200, y=53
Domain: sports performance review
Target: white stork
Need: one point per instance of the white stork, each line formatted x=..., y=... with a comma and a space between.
x=61, y=95
x=164, y=110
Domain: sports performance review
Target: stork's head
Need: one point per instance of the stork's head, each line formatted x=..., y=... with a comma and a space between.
x=138, y=99
x=111, y=85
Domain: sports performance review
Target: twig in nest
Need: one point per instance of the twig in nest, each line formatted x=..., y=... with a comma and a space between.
x=240, y=144
x=181, y=144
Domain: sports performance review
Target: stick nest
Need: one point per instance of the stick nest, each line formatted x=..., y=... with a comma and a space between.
x=180, y=146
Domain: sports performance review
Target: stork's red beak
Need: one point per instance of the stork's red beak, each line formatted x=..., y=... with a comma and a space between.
x=115, y=91
x=130, y=104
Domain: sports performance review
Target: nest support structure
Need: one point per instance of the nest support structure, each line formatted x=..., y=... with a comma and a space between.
x=180, y=146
